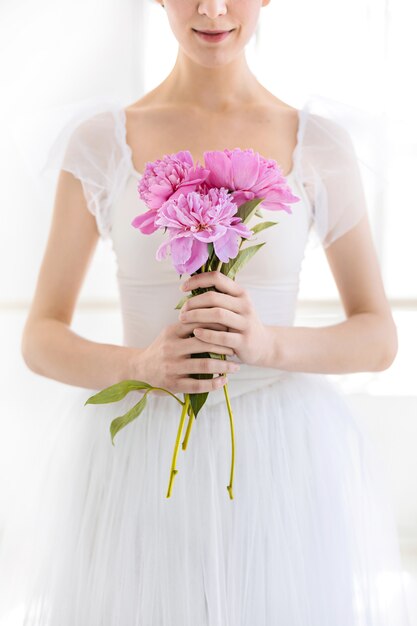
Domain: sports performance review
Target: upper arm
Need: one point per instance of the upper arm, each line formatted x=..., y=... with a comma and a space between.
x=70, y=245
x=354, y=264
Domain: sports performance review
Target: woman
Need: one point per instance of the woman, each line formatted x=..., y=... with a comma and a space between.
x=308, y=535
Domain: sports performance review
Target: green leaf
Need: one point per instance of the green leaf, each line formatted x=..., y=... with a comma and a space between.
x=231, y=268
x=122, y=421
x=262, y=225
x=246, y=210
x=117, y=391
x=197, y=400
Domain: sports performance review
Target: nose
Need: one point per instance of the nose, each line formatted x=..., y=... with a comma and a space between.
x=212, y=8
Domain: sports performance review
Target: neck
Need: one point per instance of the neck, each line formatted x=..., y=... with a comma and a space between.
x=217, y=89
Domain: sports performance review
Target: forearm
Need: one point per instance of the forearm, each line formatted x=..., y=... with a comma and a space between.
x=363, y=342
x=50, y=348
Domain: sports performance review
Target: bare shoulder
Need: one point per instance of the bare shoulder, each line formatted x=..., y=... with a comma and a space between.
x=279, y=108
x=149, y=109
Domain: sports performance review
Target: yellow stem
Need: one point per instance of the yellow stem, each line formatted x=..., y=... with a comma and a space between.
x=187, y=432
x=232, y=431
x=177, y=442
x=166, y=390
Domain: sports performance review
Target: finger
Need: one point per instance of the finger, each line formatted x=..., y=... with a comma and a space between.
x=222, y=338
x=202, y=385
x=184, y=330
x=208, y=279
x=192, y=345
x=195, y=365
x=215, y=314
x=213, y=298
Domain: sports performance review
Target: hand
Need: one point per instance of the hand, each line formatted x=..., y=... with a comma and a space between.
x=167, y=363
x=245, y=333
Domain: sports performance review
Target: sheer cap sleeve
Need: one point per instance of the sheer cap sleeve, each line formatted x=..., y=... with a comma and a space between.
x=330, y=169
x=91, y=147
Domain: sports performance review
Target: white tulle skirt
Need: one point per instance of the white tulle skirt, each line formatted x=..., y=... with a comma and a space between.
x=308, y=540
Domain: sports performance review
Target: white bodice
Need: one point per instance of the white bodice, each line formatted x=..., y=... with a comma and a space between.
x=325, y=176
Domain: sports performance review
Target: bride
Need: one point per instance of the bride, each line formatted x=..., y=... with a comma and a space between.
x=309, y=532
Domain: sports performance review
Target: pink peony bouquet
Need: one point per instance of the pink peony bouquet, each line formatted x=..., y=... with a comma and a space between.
x=205, y=213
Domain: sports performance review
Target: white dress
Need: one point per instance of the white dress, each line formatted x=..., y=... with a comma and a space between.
x=309, y=537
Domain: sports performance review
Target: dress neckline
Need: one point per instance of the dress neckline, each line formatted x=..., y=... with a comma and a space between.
x=140, y=174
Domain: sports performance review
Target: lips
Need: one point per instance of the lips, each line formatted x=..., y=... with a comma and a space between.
x=213, y=32
x=213, y=36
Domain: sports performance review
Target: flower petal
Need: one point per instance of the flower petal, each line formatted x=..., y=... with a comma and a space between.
x=245, y=168
x=228, y=246
x=145, y=222
x=220, y=169
x=198, y=256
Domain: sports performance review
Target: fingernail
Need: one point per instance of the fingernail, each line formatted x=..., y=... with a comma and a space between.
x=184, y=286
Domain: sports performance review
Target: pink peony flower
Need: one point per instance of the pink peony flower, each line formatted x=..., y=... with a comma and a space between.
x=194, y=220
x=248, y=175
x=165, y=179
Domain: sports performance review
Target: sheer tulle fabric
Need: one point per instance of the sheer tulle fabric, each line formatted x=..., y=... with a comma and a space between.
x=92, y=148
x=307, y=541
x=329, y=170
